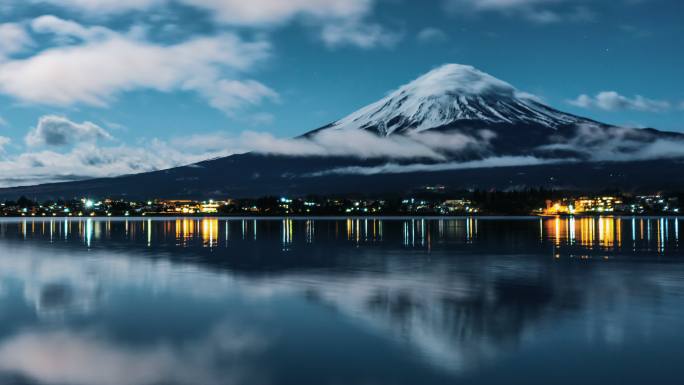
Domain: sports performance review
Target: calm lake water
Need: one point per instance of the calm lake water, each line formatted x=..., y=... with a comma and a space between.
x=342, y=302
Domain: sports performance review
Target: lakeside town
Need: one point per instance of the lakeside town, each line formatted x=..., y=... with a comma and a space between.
x=430, y=202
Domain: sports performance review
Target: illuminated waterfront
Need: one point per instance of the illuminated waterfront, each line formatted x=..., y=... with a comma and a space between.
x=351, y=300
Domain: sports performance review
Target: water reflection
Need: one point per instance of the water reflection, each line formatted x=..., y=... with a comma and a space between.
x=660, y=235
x=210, y=231
x=287, y=232
x=402, y=301
x=81, y=358
x=606, y=233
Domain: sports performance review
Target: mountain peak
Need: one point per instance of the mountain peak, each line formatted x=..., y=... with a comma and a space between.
x=450, y=95
x=458, y=79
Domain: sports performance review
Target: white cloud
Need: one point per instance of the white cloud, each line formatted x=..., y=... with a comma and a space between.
x=430, y=34
x=342, y=21
x=4, y=141
x=619, y=144
x=348, y=143
x=88, y=160
x=73, y=152
x=13, y=39
x=611, y=100
x=49, y=24
x=53, y=130
x=538, y=11
x=584, y=101
x=497, y=5
x=100, y=7
x=96, y=71
x=591, y=142
x=234, y=12
x=227, y=94
x=365, y=145
x=530, y=97
x=341, y=143
x=359, y=34
x=263, y=12
x=395, y=168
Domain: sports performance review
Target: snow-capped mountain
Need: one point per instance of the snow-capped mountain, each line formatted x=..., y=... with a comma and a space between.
x=453, y=93
x=455, y=126
x=488, y=117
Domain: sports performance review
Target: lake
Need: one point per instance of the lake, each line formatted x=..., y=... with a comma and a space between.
x=342, y=301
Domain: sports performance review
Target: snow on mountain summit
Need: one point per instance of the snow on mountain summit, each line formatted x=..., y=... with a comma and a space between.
x=457, y=79
x=452, y=93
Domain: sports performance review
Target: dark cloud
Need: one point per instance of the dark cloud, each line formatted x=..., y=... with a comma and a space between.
x=53, y=130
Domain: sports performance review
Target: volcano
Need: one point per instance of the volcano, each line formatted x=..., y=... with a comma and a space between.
x=459, y=99
x=449, y=96
x=471, y=130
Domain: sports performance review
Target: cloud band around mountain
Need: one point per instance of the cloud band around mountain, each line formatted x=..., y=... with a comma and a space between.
x=613, y=101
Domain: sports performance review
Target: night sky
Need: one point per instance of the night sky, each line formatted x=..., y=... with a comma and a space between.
x=106, y=87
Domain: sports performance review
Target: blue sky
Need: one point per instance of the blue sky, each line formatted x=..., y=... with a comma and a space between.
x=105, y=87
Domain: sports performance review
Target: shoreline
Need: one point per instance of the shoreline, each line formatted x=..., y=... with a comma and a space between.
x=339, y=217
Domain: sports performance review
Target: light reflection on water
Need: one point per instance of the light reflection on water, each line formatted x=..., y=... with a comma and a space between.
x=591, y=233
x=605, y=233
x=367, y=301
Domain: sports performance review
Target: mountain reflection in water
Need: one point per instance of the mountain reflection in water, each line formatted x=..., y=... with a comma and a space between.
x=289, y=301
